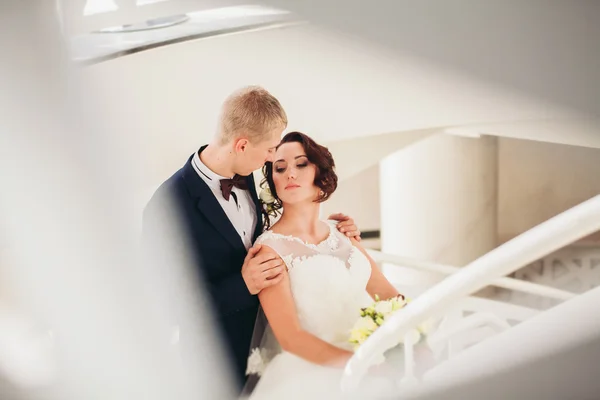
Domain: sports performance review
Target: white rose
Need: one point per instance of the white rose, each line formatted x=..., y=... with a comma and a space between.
x=384, y=307
x=358, y=336
x=266, y=196
x=366, y=323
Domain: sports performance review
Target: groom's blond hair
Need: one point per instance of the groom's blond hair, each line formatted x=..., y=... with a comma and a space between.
x=251, y=112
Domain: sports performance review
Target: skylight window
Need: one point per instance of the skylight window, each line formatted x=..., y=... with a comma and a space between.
x=103, y=6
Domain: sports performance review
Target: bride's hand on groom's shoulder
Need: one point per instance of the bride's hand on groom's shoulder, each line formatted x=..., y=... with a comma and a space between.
x=262, y=268
x=346, y=225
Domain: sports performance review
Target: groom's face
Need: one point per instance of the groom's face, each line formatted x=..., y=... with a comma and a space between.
x=257, y=154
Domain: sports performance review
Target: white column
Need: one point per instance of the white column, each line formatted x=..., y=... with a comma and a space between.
x=438, y=203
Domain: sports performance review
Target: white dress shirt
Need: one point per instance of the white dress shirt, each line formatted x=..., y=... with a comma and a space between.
x=239, y=208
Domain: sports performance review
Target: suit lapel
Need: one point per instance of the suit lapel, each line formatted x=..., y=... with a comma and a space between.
x=257, y=204
x=209, y=206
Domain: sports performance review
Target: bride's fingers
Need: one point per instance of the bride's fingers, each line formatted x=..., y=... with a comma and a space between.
x=339, y=217
x=347, y=227
x=346, y=224
x=354, y=233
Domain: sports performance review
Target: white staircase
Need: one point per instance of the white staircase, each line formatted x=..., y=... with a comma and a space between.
x=467, y=323
x=553, y=355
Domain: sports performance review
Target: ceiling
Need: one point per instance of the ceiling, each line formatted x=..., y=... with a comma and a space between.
x=353, y=72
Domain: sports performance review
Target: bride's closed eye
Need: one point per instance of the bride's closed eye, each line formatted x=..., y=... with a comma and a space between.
x=280, y=170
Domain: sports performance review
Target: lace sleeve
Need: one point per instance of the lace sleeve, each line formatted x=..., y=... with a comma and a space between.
x=288, y=248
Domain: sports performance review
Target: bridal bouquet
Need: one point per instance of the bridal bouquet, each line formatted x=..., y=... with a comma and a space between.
x=374, y=316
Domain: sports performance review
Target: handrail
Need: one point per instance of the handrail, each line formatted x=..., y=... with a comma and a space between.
x=549, y=236
x=503, y=282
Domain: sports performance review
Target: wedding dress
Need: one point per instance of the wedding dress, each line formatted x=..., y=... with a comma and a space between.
x=328, y=283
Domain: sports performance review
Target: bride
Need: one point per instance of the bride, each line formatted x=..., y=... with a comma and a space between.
x=329, y=278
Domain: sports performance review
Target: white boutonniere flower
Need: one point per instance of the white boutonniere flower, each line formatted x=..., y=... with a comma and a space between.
x=268, y=201
x=266, y=196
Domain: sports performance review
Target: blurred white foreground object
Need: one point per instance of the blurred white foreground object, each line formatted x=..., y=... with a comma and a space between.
x=64, y=215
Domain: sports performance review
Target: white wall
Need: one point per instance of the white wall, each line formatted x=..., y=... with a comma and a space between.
x=357, y=154
x=164, y=102
x=358, y=197
x=539, y=180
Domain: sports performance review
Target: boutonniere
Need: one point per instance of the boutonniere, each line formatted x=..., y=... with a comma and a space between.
x=271, y=207
x=267, y=199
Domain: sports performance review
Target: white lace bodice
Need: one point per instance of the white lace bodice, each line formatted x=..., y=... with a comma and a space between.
x=328, y=282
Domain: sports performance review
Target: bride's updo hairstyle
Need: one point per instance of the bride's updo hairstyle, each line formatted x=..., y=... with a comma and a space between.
x=325, y=176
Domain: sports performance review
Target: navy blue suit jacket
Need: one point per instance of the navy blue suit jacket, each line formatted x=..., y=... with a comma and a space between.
x=217, y=253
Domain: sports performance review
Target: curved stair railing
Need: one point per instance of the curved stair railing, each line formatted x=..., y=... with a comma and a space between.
x=471, y=320
x=503, y=282
x=549, y=236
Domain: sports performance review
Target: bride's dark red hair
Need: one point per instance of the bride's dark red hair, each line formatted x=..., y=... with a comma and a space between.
x=325, y=176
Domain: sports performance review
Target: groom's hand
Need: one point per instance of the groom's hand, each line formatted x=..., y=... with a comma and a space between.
x=262, y=268
x=346, y=225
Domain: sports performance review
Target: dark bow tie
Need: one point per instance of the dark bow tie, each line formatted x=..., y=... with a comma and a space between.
x=227, y=184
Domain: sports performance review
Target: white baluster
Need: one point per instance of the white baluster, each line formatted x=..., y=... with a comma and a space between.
x=410, y=339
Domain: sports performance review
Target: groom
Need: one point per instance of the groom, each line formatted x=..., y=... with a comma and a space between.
x=214, y=198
